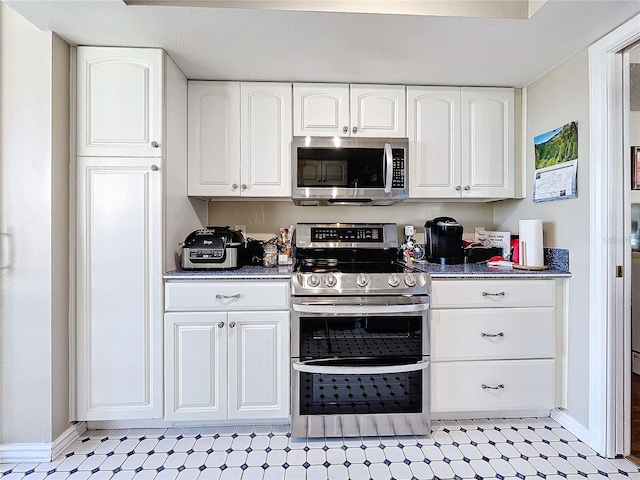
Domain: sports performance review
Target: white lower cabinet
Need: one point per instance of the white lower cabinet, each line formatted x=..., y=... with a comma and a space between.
x=226, y=364
x=495, y=349
x=118, y=279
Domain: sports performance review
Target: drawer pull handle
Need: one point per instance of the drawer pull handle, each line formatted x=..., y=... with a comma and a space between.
x=222, y=297
x=487, y=294
x=501, y=334
x=497, y=387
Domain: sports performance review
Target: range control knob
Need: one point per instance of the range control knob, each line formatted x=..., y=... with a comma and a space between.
x=362, y=280
x=410, y=280
x=330, y=280
x=393, y=280
x=313, y=280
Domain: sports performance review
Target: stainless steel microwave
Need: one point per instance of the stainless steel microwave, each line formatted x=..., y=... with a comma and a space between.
x=349, y=171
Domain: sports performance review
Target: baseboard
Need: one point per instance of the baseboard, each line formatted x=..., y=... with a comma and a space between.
x=41, y=452
x=571, y=424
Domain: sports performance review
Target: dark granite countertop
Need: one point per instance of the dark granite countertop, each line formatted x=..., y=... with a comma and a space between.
x=556, y=259
x=481, y=270
x=248, y=272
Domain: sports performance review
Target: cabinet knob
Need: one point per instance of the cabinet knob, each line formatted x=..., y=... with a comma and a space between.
x=458, y=188
x=244, y=186
x=234, y=186
x=354, y=129
x=345, y=129
x=220, y=324
x=155, y=144
x=155, y=168
x=232, y=324
x=467, y=188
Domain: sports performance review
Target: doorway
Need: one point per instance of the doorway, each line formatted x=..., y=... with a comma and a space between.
x=631, y=101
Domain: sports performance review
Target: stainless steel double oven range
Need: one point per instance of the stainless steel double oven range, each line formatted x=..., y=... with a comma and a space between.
x=360, y=334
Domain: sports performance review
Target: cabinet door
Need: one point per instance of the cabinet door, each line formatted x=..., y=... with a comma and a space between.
x=119, y=288
x=433, y=121
x=378, y=111
x=265, y=151
x=258, y=364
x=214, y=138
x=120, y=102
x=321, y=109
x=195, y=366
x=488, y=143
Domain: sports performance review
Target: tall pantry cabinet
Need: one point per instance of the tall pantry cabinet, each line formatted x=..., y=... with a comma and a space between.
x=125, y=97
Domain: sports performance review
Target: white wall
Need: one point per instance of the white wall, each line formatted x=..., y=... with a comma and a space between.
x=34, y=159
x=557, y=98
x=265, y=218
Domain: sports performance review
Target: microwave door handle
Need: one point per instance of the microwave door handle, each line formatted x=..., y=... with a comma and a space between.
x=388, y=164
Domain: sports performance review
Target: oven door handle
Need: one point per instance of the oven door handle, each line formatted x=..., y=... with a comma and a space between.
x=309, y=367
x=359, y=309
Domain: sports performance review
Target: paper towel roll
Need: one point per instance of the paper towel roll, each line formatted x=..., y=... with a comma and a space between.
x=531, y=250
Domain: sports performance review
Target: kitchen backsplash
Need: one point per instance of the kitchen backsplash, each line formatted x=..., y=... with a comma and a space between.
x=264, y=218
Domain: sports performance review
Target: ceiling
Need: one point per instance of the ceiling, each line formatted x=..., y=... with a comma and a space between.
x=284, y=45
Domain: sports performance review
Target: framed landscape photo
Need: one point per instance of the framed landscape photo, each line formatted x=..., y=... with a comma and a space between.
x=635, y=168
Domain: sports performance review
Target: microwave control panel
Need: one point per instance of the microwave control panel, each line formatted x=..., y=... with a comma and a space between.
x=397, y=180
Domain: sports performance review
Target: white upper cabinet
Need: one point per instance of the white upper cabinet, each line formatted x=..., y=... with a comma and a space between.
x=321, y=109
x=488, y=142
x=378, y=111
x=265, y=147
x=214, y=138
x=120, y=102
x=433, y=123
x=239, y=139
x=344, y=110
x=461, y=142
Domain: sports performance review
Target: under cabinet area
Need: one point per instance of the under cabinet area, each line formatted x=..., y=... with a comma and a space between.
x=227, y=350
x=495, y=347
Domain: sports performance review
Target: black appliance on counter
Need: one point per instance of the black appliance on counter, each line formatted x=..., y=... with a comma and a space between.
x=443, y=241
x=214, y=246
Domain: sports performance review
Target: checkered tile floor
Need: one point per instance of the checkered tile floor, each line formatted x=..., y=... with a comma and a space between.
x=524, y=448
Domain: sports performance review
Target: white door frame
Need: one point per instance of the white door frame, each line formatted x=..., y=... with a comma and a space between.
x=610, y=362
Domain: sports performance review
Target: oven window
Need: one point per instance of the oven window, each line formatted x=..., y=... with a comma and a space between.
x=360, y=336
x=330, y=394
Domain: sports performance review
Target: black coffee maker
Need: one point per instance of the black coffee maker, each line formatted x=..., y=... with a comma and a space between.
x=443, y=241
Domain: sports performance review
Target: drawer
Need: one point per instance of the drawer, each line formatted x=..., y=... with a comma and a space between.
x=492, y=293
x=525, y=384
x=228, y=295
x=486, y=334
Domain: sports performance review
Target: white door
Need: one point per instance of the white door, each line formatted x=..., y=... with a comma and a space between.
x=434, y=130
x=259, y=364
x=321, y=109
x=214, y=139
x=378, y=111
x=120, y=102
x=119, y=288
x=196, y=366
x=265, y=151
x=488, y=143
